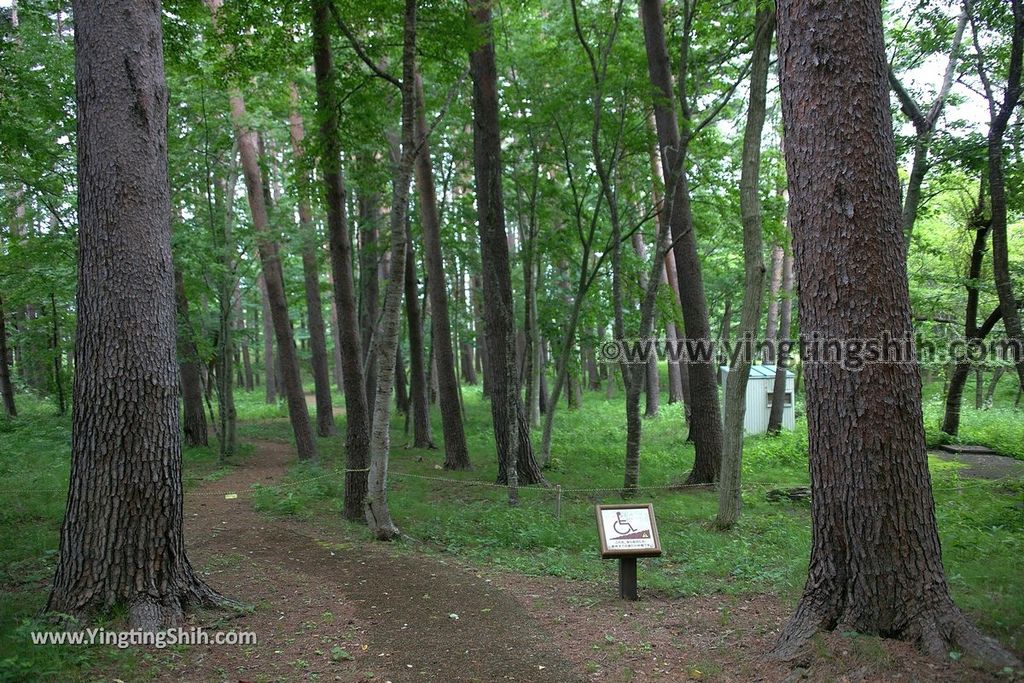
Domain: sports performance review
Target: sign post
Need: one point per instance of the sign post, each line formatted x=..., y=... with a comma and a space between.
x=628, y=532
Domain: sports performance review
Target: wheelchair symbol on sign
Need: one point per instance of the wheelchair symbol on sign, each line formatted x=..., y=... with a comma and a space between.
x=622, y=526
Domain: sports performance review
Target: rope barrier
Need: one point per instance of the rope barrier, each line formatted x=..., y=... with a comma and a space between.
x=554, y=489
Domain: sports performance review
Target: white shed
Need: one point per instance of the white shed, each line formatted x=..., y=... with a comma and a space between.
x=759, y=398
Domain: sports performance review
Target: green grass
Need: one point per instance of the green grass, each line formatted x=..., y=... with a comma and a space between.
x=980, y=522
x=1000, y=427
x=34, y=468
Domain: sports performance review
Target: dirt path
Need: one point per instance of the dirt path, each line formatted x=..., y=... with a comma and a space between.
x=984, y=466
x=332, y=607
x=320, y=601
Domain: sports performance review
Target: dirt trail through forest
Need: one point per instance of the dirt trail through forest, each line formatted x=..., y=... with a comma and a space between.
x=321, y=601
x=331, y=606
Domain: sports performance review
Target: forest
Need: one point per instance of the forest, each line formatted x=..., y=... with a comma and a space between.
x=327, y=326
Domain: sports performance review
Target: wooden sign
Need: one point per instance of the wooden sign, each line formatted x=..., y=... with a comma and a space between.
x=628, y=530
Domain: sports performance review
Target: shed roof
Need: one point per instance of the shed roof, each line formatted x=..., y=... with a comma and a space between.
x=762, y=371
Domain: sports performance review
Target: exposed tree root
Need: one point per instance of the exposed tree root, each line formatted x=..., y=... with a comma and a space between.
x=937, y=631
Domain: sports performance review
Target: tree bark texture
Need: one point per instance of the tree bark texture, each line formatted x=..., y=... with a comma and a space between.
x=875, y=562
x=958, y=378
x=456, y=453
x=121, y=542
x=997, y=192
x=371, y=271
x=191, y=372
x=705, y=419
x=311, y=281
x=772, y=322
x=516, y=464
x=729, y=498
x=422, y=436
x=378, y=516
x=357, y=421
x=270, y=386
x=782, y=359
x=298, y=411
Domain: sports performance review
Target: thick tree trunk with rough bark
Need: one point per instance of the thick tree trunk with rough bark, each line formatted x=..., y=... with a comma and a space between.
x=456, y=454
x=311, y=281
x=6, y=387
x=516, y=464
x=705, y=419
x=121, y=543
x=875, y=563
x=191, y=372
x=729, y=500
x=357, y=421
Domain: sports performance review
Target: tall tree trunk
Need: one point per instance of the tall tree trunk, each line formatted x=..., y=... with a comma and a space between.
x=772, y=322
x=270, y=386
x=652, y=382
x=249, y=378
x=924, y=126
x=378, y=517
x=370, y=274
x=705, y=420
x=357, y=420
x=958, y=373
x=298, y=411
x=479, y=325
x=191, y=372
x=875, y=563
x=997, y=190
x=782, y=359
x=729, y=500
x=990, y=392
x=467, y=357
x=958, y=377
x=456, y=453
x=121, y=542
x=542, y=395
x=58, y=378
x=401, y=388
x=6, y=387
x=516, y=463
x=420, y=402
x=724, y=335
x=574, y=392
x=226, y=286
x=680, y=336
x=311, y=281
x=337, y=361
x=675, y=374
